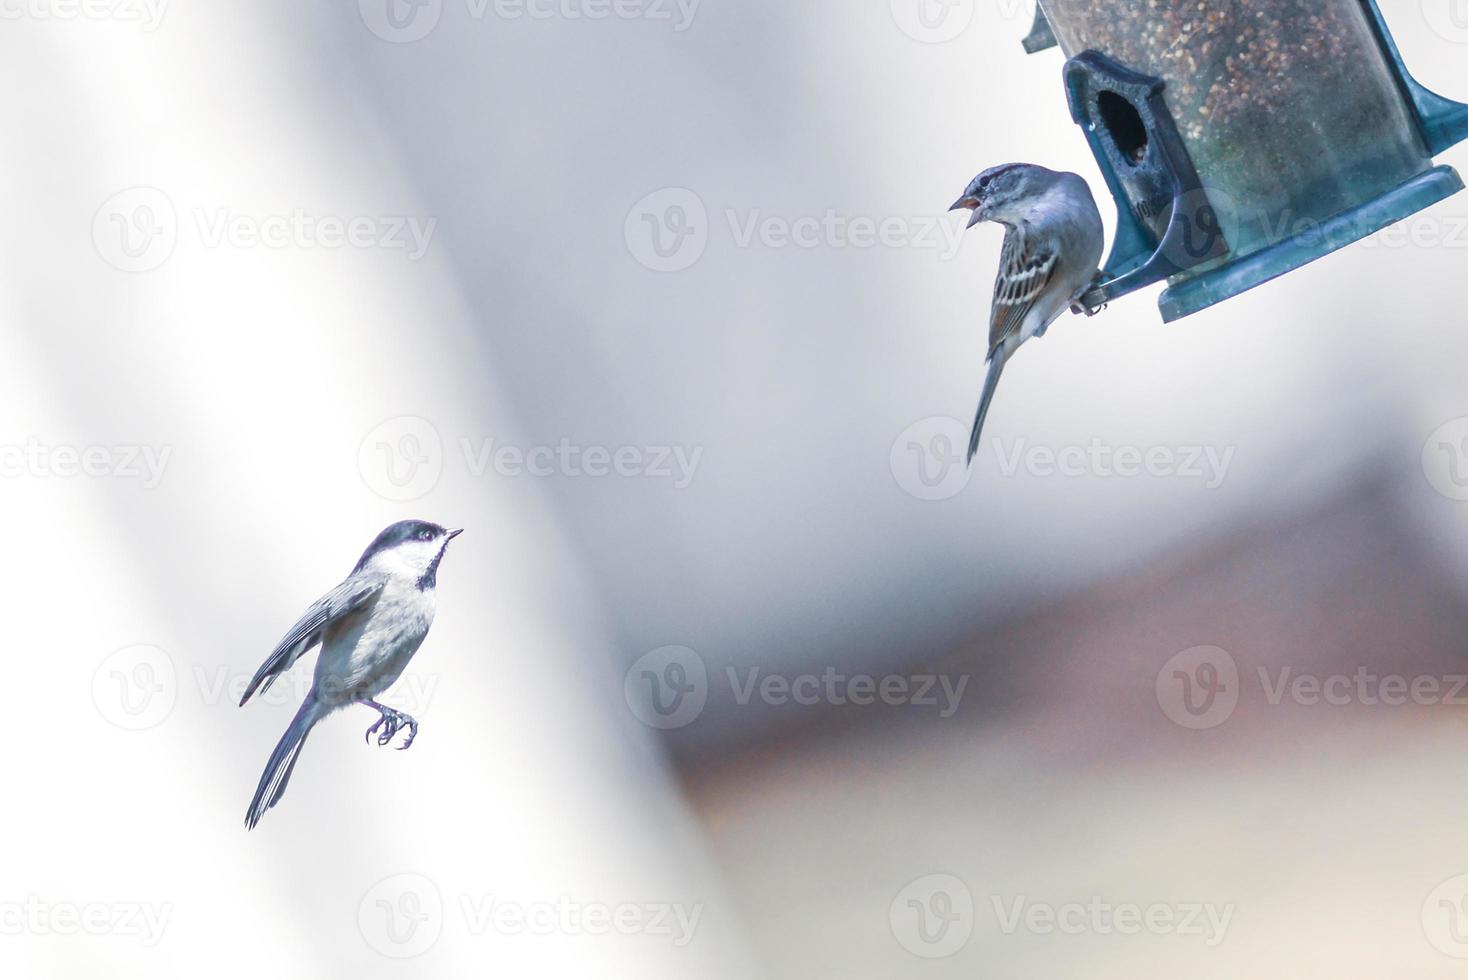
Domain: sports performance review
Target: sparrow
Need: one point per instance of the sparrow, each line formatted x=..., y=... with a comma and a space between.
x=1053, y=241
x=368, y=627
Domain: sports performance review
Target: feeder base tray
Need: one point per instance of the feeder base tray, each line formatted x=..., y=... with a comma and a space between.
x=1189, y=295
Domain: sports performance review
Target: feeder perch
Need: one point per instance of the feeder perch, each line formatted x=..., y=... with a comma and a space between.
x=1241, y=141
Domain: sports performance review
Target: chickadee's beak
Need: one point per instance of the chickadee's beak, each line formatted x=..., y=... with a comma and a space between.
x=972, y=204
x=453, y=534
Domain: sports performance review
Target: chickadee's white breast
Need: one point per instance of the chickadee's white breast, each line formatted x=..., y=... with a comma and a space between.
x=364, y=653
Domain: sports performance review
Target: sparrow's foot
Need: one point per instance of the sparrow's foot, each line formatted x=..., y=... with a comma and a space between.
x=391, y=722
x=1093, y=300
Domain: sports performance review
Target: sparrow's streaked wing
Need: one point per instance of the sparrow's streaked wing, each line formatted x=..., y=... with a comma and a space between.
x=350, y=595
x=1025, y=269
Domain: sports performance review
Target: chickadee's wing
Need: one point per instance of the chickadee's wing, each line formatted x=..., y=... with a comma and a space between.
x=1025, y=269
x=351, y=594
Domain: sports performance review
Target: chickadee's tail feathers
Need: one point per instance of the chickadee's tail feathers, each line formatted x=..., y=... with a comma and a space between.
x=991, y=382
x=283, y=760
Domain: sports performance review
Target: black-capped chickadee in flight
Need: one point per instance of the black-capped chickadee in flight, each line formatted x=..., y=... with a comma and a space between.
x=369, y=627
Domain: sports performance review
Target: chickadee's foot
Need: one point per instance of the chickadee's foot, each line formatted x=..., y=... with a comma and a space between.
x=391, y=722
x=412, y=732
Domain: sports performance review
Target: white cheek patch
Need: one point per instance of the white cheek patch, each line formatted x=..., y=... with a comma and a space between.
x=409, y=558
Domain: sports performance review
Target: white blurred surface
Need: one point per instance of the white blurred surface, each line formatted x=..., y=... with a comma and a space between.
x=529, y=320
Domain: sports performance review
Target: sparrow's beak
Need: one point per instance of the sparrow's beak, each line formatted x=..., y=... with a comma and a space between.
x=972, y=204
x=453, y=534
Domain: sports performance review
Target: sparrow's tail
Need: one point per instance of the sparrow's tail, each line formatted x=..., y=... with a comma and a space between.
x=283, y=760
x=991, y=381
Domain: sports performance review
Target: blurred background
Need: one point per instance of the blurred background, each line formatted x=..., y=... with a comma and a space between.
x=736, y=672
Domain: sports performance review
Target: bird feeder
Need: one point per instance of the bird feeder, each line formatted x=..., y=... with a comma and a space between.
x=1242, y=139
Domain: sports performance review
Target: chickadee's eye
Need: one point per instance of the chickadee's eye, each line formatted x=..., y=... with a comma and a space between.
x=425, y=535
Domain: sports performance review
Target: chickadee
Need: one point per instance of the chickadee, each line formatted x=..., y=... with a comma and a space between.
x=369, y=627
x=1052, y=248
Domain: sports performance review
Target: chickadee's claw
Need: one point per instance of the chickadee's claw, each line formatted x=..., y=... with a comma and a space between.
x=391, y=722
x=394, y=722
x=412, y=732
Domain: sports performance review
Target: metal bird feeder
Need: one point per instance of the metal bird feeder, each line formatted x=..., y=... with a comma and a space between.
x=1242, y=139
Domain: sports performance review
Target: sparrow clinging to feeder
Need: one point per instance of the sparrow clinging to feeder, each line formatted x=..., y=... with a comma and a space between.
x=1052, y=247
